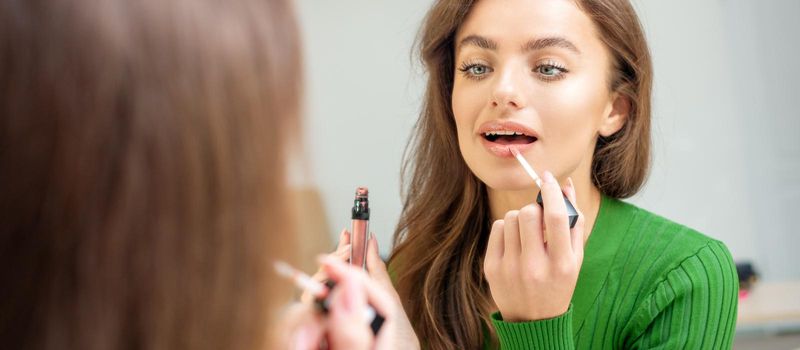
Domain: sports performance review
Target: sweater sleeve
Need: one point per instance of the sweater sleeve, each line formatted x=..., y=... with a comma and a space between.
x=694, y=307
x=552, y=334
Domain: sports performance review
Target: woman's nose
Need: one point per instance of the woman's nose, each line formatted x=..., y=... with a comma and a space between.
x=508, y=91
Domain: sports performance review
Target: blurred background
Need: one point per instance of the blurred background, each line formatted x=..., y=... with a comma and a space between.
x=726, y=130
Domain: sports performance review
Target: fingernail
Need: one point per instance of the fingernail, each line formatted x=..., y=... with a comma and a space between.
x=548, y=177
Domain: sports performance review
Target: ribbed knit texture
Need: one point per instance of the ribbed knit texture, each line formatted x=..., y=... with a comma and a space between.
x=645, y=283
x=544, y=334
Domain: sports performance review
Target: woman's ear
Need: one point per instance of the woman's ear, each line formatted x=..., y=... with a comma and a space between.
x=615, y=119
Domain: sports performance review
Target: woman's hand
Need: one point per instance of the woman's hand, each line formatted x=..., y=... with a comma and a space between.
x=354, y=292
x=345, y=326
x=342, y=253
x=403, y=336
x=532, y=277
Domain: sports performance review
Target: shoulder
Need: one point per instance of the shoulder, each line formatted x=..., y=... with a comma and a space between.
x=683, y=272
x=675, y=273
x=665, y=237
x=667, y=247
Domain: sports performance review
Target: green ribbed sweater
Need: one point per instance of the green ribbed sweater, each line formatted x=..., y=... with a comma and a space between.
x=645, y=283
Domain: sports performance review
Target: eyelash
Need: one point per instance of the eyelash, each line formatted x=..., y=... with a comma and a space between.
x=467, y=67
x=466, y=71
x=553, y=65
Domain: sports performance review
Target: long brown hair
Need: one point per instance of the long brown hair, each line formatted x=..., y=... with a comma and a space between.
x=141, y=171
x=442, y=234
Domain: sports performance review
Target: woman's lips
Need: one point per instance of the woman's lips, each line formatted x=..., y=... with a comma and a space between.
x=499, y=136
x=503, y=149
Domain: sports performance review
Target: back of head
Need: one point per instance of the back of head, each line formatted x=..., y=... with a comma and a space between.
x=142, y=171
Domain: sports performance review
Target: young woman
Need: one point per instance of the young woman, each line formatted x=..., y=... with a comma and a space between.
x=476, y=263
x=142, y=181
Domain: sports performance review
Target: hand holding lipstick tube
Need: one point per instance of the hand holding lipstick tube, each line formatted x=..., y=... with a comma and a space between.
x=535, y=244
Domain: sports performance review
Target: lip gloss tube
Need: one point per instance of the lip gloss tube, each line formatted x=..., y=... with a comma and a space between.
x=572, y=214
x=359, y=230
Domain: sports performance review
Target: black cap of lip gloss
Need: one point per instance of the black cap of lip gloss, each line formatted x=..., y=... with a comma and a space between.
x=571, y=212
x=360, y=210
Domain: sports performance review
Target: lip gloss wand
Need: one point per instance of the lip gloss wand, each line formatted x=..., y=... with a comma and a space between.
x=571, y=212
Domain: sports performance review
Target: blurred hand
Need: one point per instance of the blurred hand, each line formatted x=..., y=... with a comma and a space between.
x=528, y=278
x=342, y=253
x=345, y=326
x=403, y=335
x=354, y=292
x=301, y=327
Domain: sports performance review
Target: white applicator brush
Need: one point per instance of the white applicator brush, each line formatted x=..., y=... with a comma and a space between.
x=527, y=167
x=571, y=212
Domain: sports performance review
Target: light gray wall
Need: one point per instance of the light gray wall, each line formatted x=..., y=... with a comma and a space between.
x=726, y=145
x=362, y=100
x=727, y=151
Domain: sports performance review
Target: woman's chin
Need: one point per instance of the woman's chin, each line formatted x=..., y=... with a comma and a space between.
x=514, y=183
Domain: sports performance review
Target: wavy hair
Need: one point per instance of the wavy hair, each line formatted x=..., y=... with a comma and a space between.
x=442, y=234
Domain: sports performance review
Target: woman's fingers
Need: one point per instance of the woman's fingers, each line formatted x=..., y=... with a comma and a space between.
x=559, y=245
x=377, y=295
x=376, y=268
x=531, y=233
x=511, y=235
x=341, y=253
x=344, y=239
x=303, y=327
x=495, y=246
x=569, y=190
x=578, y=236
x=528, y=278
x=347, y=328
x=494, y=250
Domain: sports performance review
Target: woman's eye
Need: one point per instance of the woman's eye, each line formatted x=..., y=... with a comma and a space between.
x=550, y=71
x=475, y=71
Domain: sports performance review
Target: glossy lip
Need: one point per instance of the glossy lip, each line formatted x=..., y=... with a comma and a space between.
x=504, y=151
x=496, y=125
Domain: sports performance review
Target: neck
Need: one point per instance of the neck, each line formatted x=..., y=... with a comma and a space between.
x=500, y=202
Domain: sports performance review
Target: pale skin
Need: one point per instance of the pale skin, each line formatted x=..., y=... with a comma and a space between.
x=539, y=63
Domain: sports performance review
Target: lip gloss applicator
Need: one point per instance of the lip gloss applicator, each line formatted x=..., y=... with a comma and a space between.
x=359, y=230
x=571, y=212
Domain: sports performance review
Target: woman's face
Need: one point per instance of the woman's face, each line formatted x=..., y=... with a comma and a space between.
x=533, y=75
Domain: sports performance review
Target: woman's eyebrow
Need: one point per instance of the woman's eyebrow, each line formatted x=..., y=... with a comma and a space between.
x=479, y=41
x=541, y=43
x=531, y=45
